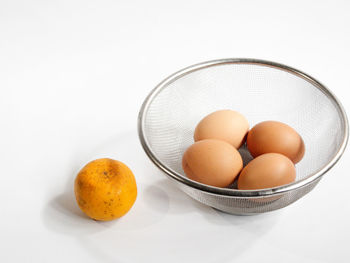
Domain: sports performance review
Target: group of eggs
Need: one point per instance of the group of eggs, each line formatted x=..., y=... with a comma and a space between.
x=214, y=158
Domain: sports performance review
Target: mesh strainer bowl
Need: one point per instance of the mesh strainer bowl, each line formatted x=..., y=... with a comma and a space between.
x=260, y=90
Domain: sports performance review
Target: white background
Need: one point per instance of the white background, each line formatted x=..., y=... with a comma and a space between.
x=73, y=75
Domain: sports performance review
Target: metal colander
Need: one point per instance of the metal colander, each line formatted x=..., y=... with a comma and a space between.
x=260, y=90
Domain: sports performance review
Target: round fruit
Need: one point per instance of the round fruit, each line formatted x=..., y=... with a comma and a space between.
x=105, y=189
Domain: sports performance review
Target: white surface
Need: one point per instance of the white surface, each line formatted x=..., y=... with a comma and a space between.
x=73, y=75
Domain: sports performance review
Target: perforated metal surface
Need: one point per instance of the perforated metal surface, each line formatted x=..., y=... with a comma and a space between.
x=244, y=205
x=261, y=91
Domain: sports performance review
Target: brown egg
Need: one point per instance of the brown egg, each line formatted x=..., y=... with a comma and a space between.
x=265, y=171
x=226, y=125
x=275, y=137
x=212, y=162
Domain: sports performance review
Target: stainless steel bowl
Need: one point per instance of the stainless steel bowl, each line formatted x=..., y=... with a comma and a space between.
x=260, y=90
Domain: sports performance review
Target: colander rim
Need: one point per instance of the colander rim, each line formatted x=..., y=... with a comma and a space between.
x=235, y=192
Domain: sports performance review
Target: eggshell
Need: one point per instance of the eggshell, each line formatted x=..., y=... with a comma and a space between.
x=212, y=162
x=266, y=171
x=226, y=125
x=275, y=137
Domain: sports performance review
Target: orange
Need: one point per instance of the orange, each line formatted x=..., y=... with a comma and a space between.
x=105, y=189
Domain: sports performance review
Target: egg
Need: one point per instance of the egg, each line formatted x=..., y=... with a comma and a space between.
x=226, y=125
x=275, y=137
x=265, y=171
x=212, y=162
